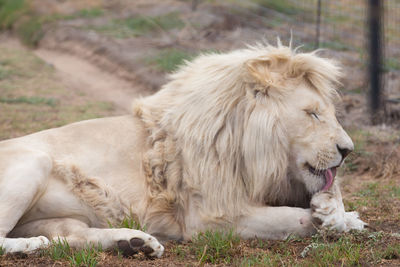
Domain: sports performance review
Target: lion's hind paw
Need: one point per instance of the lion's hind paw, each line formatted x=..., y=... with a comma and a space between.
x=24, y=245
x=140, y=242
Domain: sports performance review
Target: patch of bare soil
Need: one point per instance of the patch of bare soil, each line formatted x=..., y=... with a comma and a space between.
x=373, y=188
x=78, y=74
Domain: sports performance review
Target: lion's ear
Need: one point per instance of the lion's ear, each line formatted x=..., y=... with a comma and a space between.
x=259, y=70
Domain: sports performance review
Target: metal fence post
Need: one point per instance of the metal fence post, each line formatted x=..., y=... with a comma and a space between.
x=195, y=3
x=318, y=24
x=375, y=62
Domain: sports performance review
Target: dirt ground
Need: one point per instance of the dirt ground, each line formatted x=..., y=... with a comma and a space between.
x=79, y=74
x=94, y=57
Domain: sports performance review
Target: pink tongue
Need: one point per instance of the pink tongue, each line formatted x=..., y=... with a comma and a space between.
x=329, y=177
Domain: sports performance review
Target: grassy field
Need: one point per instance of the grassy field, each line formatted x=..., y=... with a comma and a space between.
x=32, y=97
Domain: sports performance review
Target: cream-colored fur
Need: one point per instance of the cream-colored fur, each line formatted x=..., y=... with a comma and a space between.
x=227, y=143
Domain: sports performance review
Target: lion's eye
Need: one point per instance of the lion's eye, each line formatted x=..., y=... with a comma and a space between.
x=313, y=114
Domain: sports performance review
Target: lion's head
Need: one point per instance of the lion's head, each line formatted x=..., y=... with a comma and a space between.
x=253, y=126
x=317, y=142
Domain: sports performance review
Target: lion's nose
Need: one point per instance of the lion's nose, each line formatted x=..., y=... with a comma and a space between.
x=344, y=151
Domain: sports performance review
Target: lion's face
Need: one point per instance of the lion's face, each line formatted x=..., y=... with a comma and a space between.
x=318, y=143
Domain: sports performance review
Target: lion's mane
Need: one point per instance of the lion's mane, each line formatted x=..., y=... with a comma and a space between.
x=216, y=133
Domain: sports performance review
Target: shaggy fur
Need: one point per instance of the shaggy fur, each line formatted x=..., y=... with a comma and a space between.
x=236, y=140
x=205, y=129
x=107, y=205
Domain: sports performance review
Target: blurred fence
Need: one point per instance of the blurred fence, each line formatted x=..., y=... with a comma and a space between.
x=339, y=25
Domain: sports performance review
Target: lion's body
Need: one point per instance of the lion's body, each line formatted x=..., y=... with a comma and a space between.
x=213, y=149
x=99, y=147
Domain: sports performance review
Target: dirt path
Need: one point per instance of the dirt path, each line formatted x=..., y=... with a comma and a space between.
x=79, y=74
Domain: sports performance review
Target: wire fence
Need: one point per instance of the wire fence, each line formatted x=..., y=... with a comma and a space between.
x=342, y=24
x=339, y=25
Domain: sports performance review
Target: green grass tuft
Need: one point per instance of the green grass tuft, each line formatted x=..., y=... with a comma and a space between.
x=370, y=191
x=143, y=24
x=10, y=11
x=170, y=59
x=395, y=191
x=215, y=246
x=29, y=26
x=30, y=31
x=2, y=252
x=85, y=257
x=90, y=13
x=262, y=259
x=61, y=250
x=180, y=251
x=140, y=25
x=336, y=252
x=131, y=223
x=58, y=250
x=33, y=100
x=282, y=6
x=332, y=248
x=391, y=252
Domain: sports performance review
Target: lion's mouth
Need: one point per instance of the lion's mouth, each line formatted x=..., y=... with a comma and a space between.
x=329, y=175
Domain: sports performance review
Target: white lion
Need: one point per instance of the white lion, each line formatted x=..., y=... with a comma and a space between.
x=246, y=140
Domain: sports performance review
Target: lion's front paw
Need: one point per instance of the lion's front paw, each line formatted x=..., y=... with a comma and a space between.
x=328, y=212
x=353, y=221
x=130, y=242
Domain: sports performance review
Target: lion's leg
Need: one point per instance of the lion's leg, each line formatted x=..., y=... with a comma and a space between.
x=276, y=223
x=327, y=211
x=23, y=178
x=78, y=234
